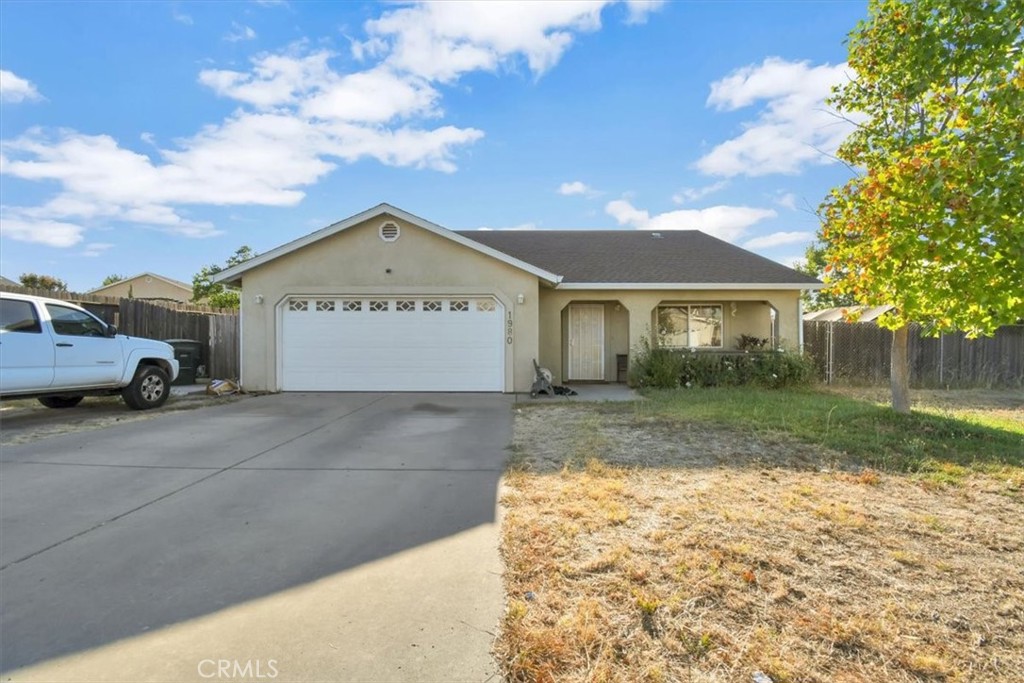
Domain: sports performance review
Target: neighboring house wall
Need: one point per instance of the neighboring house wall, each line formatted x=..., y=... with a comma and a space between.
x=139, y=288
x=639, y=307
x=355, y=262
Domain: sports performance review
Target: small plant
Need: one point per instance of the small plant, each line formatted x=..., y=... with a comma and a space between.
x=746, y=342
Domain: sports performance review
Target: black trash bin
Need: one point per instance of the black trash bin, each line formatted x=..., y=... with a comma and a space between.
x=189, y=354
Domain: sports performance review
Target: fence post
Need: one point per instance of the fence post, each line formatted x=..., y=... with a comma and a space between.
x=829, y=353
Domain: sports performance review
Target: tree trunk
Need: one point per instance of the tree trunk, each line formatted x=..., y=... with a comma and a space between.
x=899, y=370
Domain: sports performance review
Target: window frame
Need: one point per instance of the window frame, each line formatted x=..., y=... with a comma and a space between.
x=689, y=325
x=35, y=328
x=103, y=327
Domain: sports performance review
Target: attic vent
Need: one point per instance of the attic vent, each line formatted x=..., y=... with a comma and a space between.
x=656, y=235
x=389, y=232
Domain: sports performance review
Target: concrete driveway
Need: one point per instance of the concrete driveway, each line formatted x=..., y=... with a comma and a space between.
x=326, y=537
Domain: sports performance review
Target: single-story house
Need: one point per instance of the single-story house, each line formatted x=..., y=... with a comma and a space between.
x=7, y=282
x=387, y=301
x=147, y=286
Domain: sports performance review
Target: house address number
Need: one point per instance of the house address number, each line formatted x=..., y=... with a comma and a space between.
x=508, y=328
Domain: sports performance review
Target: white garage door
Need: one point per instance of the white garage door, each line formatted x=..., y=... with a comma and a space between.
x=393, y=344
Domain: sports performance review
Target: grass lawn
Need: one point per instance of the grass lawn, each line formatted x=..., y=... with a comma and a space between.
x=808, y=535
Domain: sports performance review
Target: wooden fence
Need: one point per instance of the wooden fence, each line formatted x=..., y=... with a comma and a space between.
x=216, y=328
x=859, y=353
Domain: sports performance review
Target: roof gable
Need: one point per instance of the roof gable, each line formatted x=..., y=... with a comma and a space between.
x=234, y=274
x=133, y=278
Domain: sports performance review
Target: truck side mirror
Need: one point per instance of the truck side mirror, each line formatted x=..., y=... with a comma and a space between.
x=111, y=331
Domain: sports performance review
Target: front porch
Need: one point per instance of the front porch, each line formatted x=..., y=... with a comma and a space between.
x=591, y=336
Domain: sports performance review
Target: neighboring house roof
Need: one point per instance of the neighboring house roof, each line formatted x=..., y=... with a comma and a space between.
x=9, y=282
x=233, y=275
x=176, y=283
x=616, y=259
x=867, y=313
x=591, y=259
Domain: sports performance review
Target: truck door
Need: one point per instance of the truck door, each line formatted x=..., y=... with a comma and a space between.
x=26, y=351
x=84, y=354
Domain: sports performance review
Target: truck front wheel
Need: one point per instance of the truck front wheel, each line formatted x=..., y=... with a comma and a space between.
x=149, y=388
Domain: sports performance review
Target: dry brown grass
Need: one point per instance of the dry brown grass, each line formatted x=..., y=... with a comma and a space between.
x=635, y=552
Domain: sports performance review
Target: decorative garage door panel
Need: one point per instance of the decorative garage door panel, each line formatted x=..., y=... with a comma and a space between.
x=393, y=344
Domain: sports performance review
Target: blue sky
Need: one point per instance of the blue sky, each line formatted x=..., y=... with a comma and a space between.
x=162, y=136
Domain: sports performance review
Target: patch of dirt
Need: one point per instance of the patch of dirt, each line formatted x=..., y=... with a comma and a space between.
x=569, y=434
x=640, y=552
x=26, y=420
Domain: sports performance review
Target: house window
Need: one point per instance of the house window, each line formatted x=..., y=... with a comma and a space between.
x=405, y=305
x=378, y=306
x=433, y=305
x=485, y=305
x=351, y=305
x=684, y=326
x=298, y=305
x=324, y=306
x=458, y=305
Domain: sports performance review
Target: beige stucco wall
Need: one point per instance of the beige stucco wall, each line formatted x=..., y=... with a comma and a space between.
x=638, y=306
x=141, y=289
x=355, y=261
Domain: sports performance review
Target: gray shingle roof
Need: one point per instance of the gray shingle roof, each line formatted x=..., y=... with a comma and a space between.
x=638, y=256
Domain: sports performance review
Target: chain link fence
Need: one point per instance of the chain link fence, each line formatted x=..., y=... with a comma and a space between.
x=858, y=353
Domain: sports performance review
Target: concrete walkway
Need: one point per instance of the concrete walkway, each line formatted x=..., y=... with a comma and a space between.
x=316, y=537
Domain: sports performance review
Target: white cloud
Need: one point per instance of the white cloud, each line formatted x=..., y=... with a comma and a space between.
x=692, y=194
x=275, y=79
x=48, y=232
x=15, y=89
x=94, y=249
x=792, y=261
x=299, y=116
x=793, y=129
x=787, y=200
x=376, y=96
x=777, y=239
x=724, y=222
x=639, y=10
x=442, y=40
x=239, y=32
x=574, y=188
x=181, y=17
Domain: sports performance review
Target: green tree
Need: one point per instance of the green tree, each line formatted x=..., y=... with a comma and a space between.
x=111, y=279
x=215, y=293
x=47, y=282
x=935, y=223
x=815, y=263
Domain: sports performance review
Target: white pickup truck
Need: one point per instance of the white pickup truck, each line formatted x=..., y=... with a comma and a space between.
x=58, y=352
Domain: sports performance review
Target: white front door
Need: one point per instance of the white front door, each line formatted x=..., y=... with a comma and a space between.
x=586, y=341
x=392, y=343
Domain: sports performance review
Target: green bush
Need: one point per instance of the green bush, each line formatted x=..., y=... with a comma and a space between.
x=670, y=368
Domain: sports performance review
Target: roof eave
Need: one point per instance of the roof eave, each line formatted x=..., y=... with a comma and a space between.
x=692, y=285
